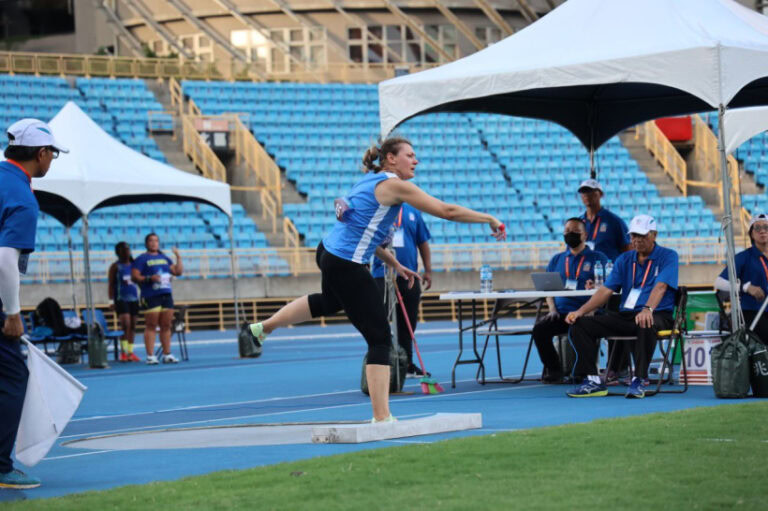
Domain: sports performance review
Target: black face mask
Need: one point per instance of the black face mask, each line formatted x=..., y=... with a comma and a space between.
x=572, y=239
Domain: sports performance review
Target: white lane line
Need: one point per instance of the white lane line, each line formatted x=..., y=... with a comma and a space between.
x=288, y=412
x=76, y=455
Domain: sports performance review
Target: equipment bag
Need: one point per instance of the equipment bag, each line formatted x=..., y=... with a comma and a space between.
x=396, y=380
x=758, y=367
x=566, y=353
x=97, y=348
x=730, y=366
x=245, y=344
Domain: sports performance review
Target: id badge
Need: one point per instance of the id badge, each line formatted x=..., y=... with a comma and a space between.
x=165, y=280
x=591, y=245
x=631, y=301
x=571, y=284
x=23, y=262
x=398, y=240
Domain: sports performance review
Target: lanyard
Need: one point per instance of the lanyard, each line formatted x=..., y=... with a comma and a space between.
x=399, y=219
x=578, y=269
x=647, y=269
x=595, y=228
x=765, y=268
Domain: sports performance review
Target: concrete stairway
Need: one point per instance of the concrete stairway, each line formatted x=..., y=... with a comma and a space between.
x=649, y=165
x=172, y=149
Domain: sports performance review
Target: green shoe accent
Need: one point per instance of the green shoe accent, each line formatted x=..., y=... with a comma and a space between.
x=257, y=331
x=18, y=480
x=382, y=421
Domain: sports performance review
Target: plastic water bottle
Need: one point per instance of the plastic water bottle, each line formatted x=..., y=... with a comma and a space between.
x=599, y=275
x=608, y=268
x=486, y=279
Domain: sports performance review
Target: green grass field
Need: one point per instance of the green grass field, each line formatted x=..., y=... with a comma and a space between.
x=705, y=458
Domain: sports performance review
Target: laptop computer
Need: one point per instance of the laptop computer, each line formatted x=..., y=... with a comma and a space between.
x=547, y=281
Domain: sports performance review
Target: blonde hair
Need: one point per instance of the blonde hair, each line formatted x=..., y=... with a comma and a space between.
x=389, y=146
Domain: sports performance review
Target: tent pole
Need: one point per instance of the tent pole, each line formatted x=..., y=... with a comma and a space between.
x=234, y=272
x=592, y=173
x=71, y=269
x=87, y=263
x=737, y=321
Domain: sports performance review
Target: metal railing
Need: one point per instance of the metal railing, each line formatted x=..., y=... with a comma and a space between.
x=294, y=259
x=200, y=153
x=269, y=209
x=665, y=153
x=250, y=151
x=184, y=69
x=707, y=155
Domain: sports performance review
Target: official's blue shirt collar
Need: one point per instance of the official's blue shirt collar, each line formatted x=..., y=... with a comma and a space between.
x=755, y=252
x=18, y=171
x=586, y=251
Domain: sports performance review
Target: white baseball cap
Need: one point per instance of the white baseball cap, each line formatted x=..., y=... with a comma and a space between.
x=757, y=218
x=590, y=184
x=642, y=225
x=33, y=133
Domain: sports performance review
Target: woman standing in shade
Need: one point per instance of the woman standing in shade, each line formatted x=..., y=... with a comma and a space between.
x=152, y=271
x=125, y=295
x=364, y=218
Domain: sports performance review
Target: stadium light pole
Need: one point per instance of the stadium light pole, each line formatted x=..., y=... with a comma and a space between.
x=88, y=291
x=737, y=320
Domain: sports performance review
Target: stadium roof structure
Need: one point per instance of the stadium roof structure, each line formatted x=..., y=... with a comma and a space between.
x=741, y=124
x=100, y=171
x=599, y=66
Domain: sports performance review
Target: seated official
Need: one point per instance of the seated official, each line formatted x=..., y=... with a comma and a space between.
x=576, y=267
x=752, y=274
x=647, y=279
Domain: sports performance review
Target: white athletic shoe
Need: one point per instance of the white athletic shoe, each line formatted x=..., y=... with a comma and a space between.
x=170, y=359
x=391, y=418
x=152, y=360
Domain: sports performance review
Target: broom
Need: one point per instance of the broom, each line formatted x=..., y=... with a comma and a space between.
x=429, y=385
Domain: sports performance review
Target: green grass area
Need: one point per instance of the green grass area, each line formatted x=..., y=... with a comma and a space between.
x=705, y=458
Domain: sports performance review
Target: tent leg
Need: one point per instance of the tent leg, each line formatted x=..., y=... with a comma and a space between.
x=71, y=269
x=234, y=273
x=592, y=170
x=87, y=263
x=737, y=320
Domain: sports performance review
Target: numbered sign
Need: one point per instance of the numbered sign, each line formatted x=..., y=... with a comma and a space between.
x=698, y=359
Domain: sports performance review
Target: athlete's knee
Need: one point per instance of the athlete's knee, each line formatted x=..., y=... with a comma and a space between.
x=378, y=354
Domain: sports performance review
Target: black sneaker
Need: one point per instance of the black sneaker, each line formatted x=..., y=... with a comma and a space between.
x=551, y=377
x=415, y=371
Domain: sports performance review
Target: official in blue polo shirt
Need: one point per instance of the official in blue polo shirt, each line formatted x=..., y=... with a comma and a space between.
x=647, y=279
x=752, y=273
x=411, y=234
x=606, y=232
x=576, y=266
x=31, y=149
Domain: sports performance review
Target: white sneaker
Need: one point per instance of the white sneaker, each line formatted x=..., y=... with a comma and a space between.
x=151, y=360
x=391, y=418
x=170, y=359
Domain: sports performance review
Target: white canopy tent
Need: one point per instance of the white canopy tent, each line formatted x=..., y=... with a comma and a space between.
x=741, y=124
x=599, y=66
x=99, y=171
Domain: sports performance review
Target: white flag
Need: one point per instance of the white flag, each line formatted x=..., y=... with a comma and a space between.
x=52, y=397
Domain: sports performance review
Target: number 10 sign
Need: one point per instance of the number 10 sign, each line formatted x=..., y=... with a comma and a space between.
x=698, y=360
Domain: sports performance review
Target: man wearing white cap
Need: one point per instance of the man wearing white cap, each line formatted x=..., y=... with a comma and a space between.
x=647, y=279
x=606, y=232
x=752, y=274
x=31, y=149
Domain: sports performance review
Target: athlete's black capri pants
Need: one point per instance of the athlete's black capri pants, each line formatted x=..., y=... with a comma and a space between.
x=351, y=287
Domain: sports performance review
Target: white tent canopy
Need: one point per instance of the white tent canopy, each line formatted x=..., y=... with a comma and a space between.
x=100, y=171
x=741, y=124
x=599, y=66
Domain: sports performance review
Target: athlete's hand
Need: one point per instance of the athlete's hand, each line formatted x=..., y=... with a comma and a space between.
x=13, y=327
x=590, y=284
x=175, y=252
x=756, y=292
x=112, y=306
x=409, y=275
x=499, y=230
x=427, y=279
x=155, y=278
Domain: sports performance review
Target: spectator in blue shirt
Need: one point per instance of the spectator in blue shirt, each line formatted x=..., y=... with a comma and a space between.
x=606, y=232
x=647, y=279
x=752, y=274
x=31, y=149
x=411, y=233
x=576, y=266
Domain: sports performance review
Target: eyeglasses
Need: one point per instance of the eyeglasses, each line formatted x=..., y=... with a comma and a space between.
x=760, y=228
x=54, y=152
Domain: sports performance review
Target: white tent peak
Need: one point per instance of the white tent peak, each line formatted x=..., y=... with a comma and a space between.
x=667, y=47
x=99, y=168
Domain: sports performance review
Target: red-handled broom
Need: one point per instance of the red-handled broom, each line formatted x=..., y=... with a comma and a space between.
x=429, y=385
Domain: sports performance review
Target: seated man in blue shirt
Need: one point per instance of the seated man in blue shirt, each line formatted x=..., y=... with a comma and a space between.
x=647, y=279
x=606, y=232
x=411, y=233
x=576, y=267
x=752, y=274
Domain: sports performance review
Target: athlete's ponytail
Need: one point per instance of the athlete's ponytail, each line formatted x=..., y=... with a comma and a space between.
x=390, y=145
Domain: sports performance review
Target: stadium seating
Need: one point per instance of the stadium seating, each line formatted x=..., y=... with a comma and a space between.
x=523, y=171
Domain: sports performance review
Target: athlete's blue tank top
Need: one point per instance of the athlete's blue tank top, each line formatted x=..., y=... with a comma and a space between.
x=365, y=224
x=127, y=290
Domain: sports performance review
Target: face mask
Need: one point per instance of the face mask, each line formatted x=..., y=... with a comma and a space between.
x=572, y=239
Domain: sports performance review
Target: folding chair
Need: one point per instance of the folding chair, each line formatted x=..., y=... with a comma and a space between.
x=675, y=338
x=495, y=331
x=179, y=326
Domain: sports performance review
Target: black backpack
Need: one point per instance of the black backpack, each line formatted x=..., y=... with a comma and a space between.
x=730, y=365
